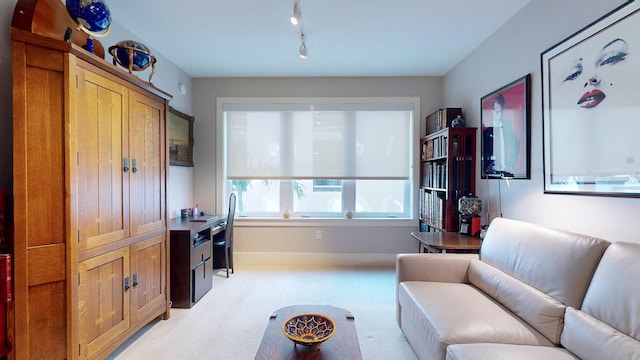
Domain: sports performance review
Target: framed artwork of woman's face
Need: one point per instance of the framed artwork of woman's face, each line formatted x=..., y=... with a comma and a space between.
x=591, y=107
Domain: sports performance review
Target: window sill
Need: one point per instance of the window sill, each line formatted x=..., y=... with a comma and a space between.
x=324, y=222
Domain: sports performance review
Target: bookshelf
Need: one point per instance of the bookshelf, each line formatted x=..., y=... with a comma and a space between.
x=447, y=172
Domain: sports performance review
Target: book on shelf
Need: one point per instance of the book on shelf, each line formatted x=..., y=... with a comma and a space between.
x=441, y=119
x=435, y=148
x=432, y=208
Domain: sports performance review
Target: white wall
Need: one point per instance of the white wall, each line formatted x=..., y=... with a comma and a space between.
x=291, y=241
x=513, y=51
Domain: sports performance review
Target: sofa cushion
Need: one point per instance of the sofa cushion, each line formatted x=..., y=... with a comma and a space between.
x=538, y=309
x=614, y=293
x=506, y=352
x=555, y=262
x=608, y=325
x=436, y=314
x=591, y=339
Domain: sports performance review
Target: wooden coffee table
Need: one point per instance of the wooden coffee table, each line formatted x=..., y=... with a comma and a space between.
x=342, y=345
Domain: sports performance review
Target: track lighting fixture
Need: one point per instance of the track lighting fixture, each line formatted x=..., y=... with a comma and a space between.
x=303, y=48
x=295, y=17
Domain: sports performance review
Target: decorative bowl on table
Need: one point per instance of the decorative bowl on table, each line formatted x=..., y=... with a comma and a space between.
x=309, y=329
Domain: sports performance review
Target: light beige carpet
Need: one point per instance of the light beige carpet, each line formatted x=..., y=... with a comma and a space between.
x=228, y=322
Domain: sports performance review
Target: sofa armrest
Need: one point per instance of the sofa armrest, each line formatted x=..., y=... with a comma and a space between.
x=433, y=267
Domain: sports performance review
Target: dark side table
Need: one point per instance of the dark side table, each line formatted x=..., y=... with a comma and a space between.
x=447, y=242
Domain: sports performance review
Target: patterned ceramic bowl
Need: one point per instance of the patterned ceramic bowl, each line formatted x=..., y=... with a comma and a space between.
x=309, y=329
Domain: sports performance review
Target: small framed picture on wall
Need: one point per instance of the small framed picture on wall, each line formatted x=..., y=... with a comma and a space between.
x=180, y=138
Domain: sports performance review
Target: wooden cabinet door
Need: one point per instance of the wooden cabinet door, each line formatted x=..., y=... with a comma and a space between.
x=102, y=181
x=103, y=300
x=147, y=148
x=148, y=274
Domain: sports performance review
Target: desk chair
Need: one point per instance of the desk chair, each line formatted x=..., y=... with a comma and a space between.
x=227, y=241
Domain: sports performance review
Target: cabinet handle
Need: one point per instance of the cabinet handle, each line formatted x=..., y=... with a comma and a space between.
x=135, y=279
x=126, y=284
x=126, y=164
x=134, y=166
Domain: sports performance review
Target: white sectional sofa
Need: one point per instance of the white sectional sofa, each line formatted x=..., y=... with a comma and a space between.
x=532, y=293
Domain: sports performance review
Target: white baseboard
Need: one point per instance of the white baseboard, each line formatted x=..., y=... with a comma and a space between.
x=312, y=260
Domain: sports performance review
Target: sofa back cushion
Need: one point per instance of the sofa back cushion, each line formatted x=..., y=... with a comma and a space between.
x=608, y=325
x=557, y=263
x=543, y=312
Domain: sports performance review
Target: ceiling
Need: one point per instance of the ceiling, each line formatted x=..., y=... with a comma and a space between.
x=254, y=38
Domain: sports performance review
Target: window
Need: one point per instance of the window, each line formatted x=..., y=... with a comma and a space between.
x=319, y=157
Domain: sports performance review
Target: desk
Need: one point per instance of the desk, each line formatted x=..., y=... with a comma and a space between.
x=191, y=257
x=442, y=242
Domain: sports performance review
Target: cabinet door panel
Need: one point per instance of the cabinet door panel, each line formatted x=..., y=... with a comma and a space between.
x=102, y=182
x=103, y=301
x=148, y=269
x=148, y=150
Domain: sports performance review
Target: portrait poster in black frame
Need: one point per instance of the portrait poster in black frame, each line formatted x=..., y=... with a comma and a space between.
x=180, y=138
x=506, y=139
x=591, y=108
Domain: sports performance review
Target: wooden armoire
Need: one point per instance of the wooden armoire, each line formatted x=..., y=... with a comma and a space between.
x=90, y=169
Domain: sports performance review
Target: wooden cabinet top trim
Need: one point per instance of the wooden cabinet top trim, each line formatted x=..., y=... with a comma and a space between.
x=49, y=43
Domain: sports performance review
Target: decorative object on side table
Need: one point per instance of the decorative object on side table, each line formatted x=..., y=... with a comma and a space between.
x=133, y=56
x=469, y=207
x=483, y=231
x=93, y=18
x=309, y=329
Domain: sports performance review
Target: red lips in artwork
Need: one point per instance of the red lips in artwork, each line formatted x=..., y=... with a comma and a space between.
x=591, y=99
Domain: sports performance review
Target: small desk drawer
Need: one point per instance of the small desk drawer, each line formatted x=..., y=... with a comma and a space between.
x=201, y=252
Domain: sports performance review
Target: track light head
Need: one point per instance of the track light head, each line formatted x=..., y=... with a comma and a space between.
x=303, y=50
x=295, y=17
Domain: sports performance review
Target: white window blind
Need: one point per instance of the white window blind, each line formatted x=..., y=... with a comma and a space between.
x=318, y=140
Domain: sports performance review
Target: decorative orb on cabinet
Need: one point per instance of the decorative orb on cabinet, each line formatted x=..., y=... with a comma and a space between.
x=133, y=56
x=93, y=18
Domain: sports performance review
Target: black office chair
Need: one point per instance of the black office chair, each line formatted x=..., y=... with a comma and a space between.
x=227, y=242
